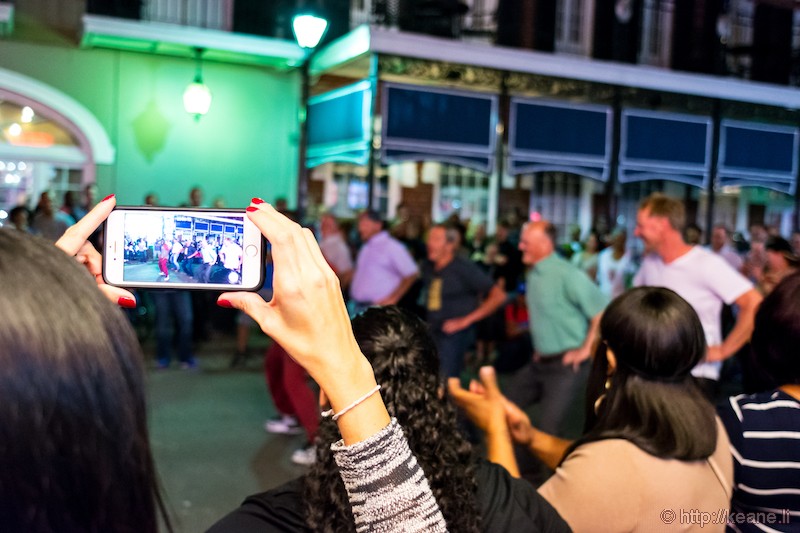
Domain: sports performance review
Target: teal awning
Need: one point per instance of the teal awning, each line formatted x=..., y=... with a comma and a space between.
x=339, y=125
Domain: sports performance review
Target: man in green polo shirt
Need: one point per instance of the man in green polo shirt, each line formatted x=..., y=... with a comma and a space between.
x=565, y=307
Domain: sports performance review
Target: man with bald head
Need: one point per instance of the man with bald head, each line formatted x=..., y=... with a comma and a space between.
x=565, y=307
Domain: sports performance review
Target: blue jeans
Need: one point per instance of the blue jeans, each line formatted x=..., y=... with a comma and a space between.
x=452, y=349
x=173, y=307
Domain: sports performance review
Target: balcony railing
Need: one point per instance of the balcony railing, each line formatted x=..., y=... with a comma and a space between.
x=443, y=18
x=211, y=14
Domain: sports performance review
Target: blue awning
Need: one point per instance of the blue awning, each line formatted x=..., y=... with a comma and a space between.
x=758, y=155
x=557, y=136
x=665, y=146
x=436, y=124
x=339, y=125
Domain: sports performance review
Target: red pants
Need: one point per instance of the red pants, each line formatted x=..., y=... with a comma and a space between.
x=288, y=386
x=162, y=265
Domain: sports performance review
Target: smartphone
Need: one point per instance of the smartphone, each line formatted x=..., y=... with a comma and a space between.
x=177, y=248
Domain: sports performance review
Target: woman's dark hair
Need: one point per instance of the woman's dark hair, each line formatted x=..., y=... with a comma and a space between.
x=776, y=335
x=74, y=452
x=652, y=401
x=406, y=364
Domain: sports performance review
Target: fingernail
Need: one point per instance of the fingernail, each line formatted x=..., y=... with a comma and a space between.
x=109, y=197
x=250, y=209
x=225, y=303
x=124, y=301
x=257, y=201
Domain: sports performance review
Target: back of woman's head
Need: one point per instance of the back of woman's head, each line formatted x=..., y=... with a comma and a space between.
x=777, y=334
x=74, y=453
x=653, y=332
x=650, y=397
x=403, y=356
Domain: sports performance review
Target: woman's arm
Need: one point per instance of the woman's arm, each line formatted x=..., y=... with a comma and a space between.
x=385, y=460
x=501, y=421
x=307, y=316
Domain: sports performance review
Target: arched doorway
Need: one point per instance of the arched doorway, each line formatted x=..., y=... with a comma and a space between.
x=48, y=141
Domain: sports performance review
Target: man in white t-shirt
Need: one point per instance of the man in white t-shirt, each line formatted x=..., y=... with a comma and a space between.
x=231, y=255
x=702, y=278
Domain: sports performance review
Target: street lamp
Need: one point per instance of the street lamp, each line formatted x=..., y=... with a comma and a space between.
x=308, y=32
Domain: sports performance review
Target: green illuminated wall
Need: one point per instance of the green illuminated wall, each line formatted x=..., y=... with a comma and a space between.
x=244, y=146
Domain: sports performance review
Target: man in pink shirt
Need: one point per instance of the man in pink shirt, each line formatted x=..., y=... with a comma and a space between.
x=384, y=269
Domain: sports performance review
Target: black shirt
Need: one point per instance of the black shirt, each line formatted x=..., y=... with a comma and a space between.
x=453, y=291
x=506, y=504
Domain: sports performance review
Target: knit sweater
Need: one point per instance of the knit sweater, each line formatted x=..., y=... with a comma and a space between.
x=387, y=488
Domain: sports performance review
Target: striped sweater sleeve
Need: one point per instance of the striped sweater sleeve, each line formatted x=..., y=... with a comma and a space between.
x=386, y=486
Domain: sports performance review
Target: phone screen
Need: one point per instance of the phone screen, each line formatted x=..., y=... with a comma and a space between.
x=175, y=249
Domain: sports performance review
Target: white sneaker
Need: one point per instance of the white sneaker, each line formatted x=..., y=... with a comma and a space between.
x=305, y=456
x=285, y=425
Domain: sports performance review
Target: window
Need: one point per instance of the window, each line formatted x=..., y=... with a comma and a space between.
x=574, y=26
x=656, y=33
x=463, y=191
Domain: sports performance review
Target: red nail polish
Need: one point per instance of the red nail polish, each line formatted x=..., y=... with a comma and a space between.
x=250, y=209
x=225, y=303
x=124, y=301
x=257, y=201
x=109, y=197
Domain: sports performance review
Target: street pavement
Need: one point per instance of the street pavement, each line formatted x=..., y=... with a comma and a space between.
x=207, y=434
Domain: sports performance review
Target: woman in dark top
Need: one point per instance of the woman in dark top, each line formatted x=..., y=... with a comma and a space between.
x=473, y=495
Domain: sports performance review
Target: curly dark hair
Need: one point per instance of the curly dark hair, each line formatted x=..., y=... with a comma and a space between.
x=406, y=364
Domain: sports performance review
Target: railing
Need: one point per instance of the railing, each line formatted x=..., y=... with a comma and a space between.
x=210, y=14
x=478, y=21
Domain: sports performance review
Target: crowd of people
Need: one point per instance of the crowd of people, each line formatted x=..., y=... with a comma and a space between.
x=389, y=454
x=199, y=259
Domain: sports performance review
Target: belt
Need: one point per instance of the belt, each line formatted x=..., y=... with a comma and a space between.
x=548, y=359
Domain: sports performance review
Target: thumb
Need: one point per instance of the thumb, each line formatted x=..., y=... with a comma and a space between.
x=454, y=387
x=489, y=380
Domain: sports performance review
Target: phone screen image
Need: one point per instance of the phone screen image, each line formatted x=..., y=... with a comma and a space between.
x=183, y=249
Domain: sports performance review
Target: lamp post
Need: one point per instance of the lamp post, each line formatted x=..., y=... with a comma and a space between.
x=308, y=31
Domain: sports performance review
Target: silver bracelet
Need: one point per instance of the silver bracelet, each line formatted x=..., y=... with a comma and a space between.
x=335, y=417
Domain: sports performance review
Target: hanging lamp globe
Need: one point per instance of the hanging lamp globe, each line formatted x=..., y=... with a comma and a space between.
x=197, y=98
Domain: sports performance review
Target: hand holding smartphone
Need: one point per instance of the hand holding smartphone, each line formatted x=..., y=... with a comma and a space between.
x=180, y=248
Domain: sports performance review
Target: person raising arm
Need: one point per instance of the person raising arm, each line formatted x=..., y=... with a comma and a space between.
x=307, y=316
